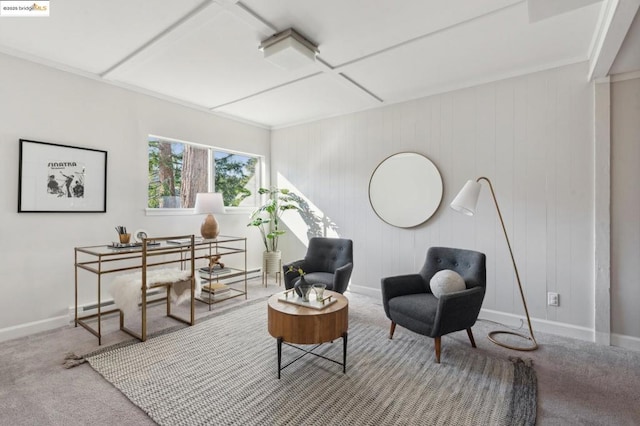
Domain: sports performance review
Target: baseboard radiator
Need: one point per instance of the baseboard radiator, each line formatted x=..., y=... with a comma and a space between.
x=154, y=295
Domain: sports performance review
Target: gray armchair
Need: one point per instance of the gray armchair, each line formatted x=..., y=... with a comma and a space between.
x=408, y=301
x=328, y=261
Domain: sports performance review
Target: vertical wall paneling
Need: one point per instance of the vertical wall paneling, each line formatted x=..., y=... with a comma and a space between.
x=485, y=155
x=552, y=140
x=625, y=211
x=422, y=234
x=464, y=167
x=602, y=205
x=435, y=153
x=516, y=214
x=448, y=157
x=531, y=135
x=582, y=281
x=503, y=182
x=409, y=116
x=563, y=190
x=374, y=247
x=535, y=197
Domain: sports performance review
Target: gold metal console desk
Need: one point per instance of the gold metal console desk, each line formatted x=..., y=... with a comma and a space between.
x=106, y=259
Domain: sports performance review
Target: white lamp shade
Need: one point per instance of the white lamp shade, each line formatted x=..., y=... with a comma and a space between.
x=467, y=199
x=209, y=202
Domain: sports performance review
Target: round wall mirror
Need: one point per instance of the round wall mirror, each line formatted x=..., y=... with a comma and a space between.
x=405, y=189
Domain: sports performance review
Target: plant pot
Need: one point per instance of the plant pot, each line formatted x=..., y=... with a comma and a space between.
x=272, y=262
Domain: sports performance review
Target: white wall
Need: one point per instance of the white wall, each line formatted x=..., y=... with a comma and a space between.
x=625, y=211
x=531, y=135
x=42, y=104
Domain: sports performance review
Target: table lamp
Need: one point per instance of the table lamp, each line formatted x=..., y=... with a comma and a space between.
x=466, y=202
x=209, y=203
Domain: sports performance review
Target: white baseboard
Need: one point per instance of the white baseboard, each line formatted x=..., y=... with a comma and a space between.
x=27, y=329
x=367, y=291
x=511, y=320
x=627, y=342
x=543, y=326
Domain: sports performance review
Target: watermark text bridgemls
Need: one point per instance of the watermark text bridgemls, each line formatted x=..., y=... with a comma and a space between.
x=29, y=9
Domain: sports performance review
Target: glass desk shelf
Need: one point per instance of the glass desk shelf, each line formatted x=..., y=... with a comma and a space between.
x=100, y=260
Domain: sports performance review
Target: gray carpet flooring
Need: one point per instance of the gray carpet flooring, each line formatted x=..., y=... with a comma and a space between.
x=386, y=382
x=579, y=383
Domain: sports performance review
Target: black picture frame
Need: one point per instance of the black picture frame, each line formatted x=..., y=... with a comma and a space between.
x=55, y=178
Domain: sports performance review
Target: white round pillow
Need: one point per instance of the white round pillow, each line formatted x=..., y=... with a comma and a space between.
x=446, y=281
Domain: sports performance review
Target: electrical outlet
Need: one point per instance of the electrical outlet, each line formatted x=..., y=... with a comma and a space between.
x=553, y=299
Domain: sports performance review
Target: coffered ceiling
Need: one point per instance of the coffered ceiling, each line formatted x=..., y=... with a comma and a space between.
x=204, y=53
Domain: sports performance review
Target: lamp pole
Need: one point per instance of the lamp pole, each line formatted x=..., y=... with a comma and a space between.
x=531, y=337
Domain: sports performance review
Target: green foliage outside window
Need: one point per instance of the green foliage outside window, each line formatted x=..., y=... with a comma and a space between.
x=233, y=174
x=177, y=171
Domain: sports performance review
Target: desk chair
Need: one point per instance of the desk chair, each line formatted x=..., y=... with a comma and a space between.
x=179, y=284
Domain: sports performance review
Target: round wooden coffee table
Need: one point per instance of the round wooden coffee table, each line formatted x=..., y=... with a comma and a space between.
x=293, y=324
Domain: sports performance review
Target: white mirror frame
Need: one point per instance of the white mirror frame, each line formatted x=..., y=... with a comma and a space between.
x=405, y=189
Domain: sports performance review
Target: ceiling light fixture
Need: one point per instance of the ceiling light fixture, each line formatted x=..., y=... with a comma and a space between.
x=289, y=50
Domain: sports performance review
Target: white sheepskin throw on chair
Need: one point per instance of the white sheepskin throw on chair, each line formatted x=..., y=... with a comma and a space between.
x=125, y=289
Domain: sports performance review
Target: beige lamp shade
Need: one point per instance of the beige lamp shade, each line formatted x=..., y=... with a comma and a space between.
x=209, y=203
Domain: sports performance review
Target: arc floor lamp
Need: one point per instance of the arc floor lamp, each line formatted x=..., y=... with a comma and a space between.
x=465, y=202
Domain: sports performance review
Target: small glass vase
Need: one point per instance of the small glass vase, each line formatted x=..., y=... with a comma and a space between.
x=319, y=289
x=305, y=289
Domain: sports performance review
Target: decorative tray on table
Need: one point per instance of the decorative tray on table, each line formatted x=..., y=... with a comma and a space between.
x=131, y=245
x=290, y=296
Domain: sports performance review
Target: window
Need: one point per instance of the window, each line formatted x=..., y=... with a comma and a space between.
x=179, y=170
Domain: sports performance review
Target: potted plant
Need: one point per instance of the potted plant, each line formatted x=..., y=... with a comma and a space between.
x=267, y=219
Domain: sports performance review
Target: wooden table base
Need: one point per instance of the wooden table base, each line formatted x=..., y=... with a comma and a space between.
x=310, y=352
x=301, y=325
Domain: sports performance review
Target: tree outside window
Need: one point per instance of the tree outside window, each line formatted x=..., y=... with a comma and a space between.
x=235, y=177
x=178, y=171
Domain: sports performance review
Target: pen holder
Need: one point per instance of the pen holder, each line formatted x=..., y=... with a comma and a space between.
x=124, y=238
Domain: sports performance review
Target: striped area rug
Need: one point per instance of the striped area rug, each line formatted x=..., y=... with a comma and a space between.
x=223, y=371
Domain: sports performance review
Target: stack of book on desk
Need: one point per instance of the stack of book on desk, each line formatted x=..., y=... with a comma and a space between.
x=216, y=270
x=216, y=288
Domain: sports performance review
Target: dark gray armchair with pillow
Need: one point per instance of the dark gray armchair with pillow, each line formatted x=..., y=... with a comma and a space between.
x=328, y=261
x=409, y=302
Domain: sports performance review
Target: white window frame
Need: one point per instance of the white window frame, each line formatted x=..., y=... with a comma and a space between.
x=261, y=175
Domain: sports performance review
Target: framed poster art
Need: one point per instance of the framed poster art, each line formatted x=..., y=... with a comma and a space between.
x=57, y=178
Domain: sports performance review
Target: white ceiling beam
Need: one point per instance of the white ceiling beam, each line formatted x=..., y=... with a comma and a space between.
x=266, y=29
x=614, y=23
x=544, y=9
x=214, y=108
x=174, y=28
x=260, y=24
x=249, y=17
x=346, y=81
